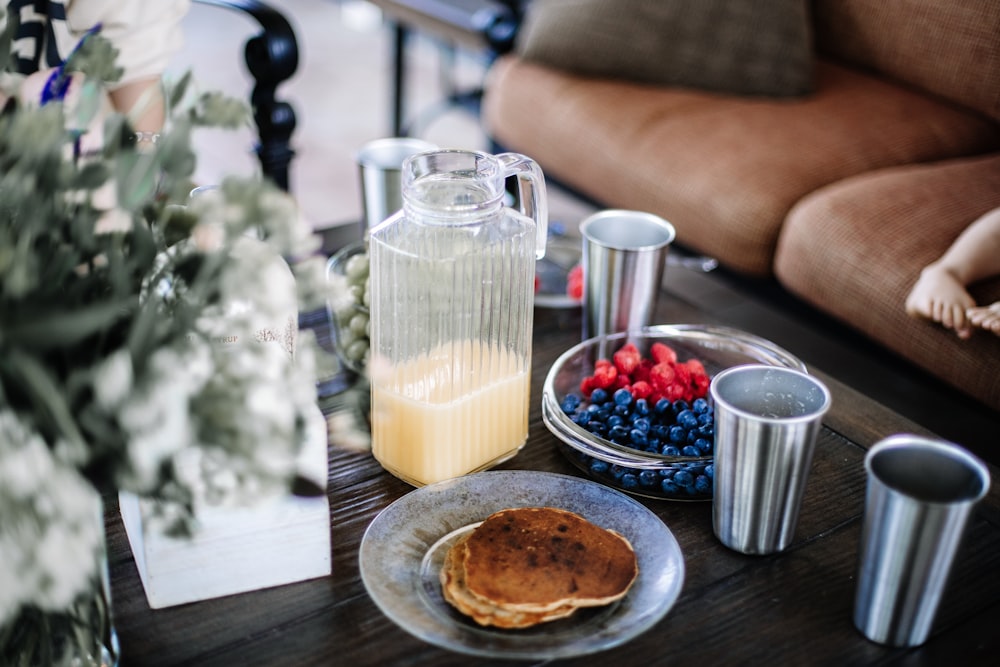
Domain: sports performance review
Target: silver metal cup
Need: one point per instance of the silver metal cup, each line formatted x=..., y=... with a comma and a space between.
x=380, y=163
x=766, y=422
x=920, y=495
x=624, y=253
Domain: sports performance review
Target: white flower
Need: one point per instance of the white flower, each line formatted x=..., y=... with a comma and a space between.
x=52, y=528
x=156, y=416
x=113, y=379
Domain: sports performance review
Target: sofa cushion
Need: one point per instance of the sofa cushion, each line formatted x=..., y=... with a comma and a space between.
x=762, y=48
x=725, y=170
x=856, y=248
x=950, y=48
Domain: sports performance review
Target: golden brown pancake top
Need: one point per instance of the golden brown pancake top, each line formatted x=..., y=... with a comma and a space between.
x=540, y=558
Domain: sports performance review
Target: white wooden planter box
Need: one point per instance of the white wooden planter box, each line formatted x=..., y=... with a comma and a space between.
x=235, y=550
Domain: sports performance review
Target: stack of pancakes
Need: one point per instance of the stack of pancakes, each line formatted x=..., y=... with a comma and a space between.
x=525, y=566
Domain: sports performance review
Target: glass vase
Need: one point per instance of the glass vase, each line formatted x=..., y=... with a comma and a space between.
x=82, y=635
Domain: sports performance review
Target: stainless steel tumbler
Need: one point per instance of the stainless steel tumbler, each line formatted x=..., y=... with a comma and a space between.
x=380, y=163
x=767, y=419
x=920, y=495
x=624, y=253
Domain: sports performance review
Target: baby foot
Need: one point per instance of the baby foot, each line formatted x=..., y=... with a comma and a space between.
x=939, y=297
x=986, y=317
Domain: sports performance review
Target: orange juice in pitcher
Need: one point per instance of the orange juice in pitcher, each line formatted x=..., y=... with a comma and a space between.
x=452, y=288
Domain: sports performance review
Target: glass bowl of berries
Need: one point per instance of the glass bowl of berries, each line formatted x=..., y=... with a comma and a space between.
x=632, y=410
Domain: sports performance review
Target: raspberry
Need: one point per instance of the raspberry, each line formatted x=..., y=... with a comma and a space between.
x=641, y=389
x=574, y=283
x=641, y=372
x=627, y=359
x=682, y=375
x=695, y=366
x=674, y=392
x=605, y=374
x=699, y=384
x=662, y=353
x=661, y=376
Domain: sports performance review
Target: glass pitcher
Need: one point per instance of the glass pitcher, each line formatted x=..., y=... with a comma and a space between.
x=452, y=304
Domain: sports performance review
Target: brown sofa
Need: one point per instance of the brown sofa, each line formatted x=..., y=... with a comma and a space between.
x=842, y=194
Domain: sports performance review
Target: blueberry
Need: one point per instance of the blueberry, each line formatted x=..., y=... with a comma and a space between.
x=615, y=420
x=648, y=478
x=597, y=427
x=690, y=450
x=618, y=433
x=623, y=410
x=570, y=403
x=598, y=396
x=678, y=434
x=703, y=445
x=623, y=397
x=599, y=467
x=618, y=471
x=660, y=431
x=641, y=424
x=692, y=435
x=670, y=450
x=710, y=471
x=680, y=405
x=669, y=487
x=699, y=405
x=642, y=407
x=707, y=430
x=683, y=478
x=638, y=438
x=687, y=419
x=702, y=484
x=629, y=481
x=662, y=406
x=706, y=418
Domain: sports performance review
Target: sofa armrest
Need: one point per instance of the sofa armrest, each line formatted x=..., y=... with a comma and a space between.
x=272, y=56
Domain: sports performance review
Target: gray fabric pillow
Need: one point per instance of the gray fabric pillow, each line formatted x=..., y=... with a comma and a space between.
x=747, y=47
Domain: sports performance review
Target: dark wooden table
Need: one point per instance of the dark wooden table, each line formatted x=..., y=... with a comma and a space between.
x=789, y=609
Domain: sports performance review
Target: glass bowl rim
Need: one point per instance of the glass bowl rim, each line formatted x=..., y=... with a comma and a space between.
x=588, y=443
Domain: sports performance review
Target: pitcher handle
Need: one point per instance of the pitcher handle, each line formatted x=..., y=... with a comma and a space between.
x=531, y=199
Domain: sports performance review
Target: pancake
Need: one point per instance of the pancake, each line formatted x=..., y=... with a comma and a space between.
x=453, y=584
x=529, y=565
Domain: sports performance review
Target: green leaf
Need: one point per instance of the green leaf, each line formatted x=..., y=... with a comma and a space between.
x=44, y=392
x=64, y=329
x=91, y=176
x=137, y=174
x=11, y=19
x=87, y=106
x=96, y=58
x=179, y=90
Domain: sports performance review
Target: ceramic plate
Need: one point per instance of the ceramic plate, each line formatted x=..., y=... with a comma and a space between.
x=403, y=550
x=561, y=255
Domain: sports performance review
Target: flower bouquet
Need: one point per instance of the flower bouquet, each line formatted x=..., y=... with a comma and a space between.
x=119, y=296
